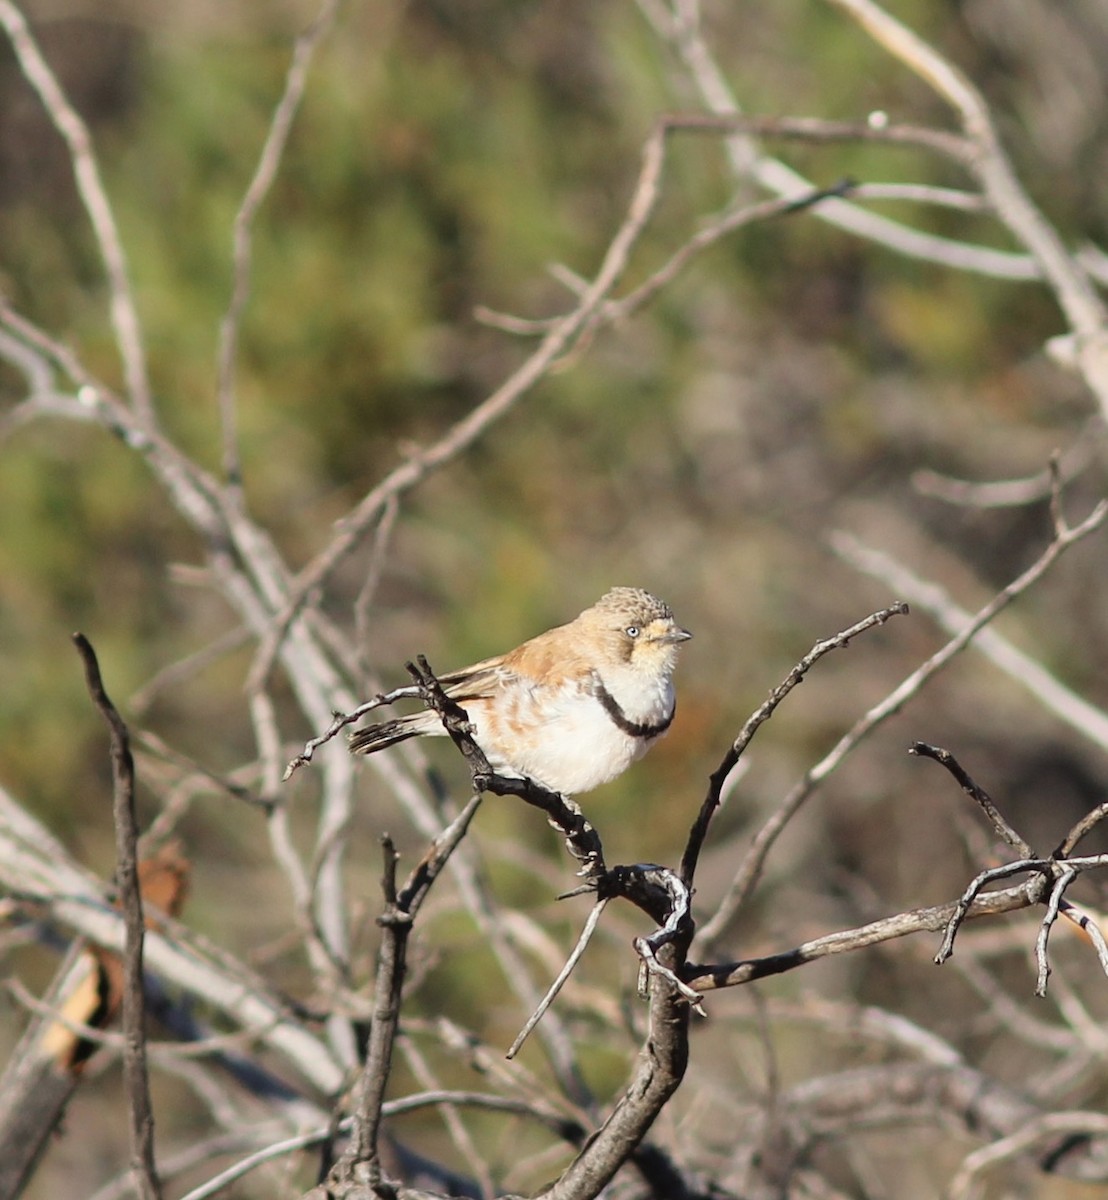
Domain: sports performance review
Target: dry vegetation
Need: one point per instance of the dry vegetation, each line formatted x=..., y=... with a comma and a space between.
x=332, y=336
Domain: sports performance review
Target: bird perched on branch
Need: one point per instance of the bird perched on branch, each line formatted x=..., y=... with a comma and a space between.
x=573, y=707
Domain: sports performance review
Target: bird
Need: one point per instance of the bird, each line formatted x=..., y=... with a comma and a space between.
x=571, y=708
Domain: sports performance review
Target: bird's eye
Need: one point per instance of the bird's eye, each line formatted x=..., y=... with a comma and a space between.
x=632, y=631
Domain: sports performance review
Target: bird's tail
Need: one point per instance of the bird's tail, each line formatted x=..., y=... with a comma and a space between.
x=376, y=737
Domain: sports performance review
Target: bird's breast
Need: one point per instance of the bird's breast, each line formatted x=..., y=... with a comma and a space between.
x=563, y=736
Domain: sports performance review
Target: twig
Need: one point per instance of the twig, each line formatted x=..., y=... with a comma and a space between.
x=618, y=310
x=139, y=701
x=1040, y=866
x=758, y=718
x=945, y=759
x=1009, y=493
x=1072, y=288
x=820, y=130
x=264, y=175
x=559, y=982
x=157, y=748
x=1081, y=830
x=748, y=162
x=1091, y=930
x=707, y=977
x=90, y=186
x=1065, y=877
x=401, y=908
x=134, y=1001
x=1078, y=713
x=341, y=720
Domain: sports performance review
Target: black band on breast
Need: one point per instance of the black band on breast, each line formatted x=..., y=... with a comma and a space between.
x=621, y=720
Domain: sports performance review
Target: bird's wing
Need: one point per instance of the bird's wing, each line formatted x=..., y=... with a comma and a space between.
x=553, y=659
x=476, y=682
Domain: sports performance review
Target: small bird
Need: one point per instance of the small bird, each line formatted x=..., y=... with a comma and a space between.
x=571, y=708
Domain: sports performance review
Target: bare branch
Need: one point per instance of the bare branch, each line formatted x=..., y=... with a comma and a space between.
x=264, y=175
x=1088, y=720
x=730, y=760
x=945, y=759
x=1066, y=876
x=134, y=1001
x=748, y=162
x=560, y=980
x=401, y=908
x=705, y=978
x=75, y=132
x=1072, y=287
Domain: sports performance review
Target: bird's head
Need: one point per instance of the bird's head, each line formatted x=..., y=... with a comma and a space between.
x=634, y=628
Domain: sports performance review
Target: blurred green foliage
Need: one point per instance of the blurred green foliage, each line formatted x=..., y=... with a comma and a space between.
x=446, y=154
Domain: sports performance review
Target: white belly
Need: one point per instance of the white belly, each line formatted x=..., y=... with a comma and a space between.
x=568, y=742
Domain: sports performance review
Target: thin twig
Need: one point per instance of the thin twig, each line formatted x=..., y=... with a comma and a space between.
x=1090, y=928
x=1081, y=830
x=177, y=672
x=559, y=982
x=341, y=720
x=945, y=759
x=1010, y=493
x=90, y=186
x=1039, y=866
x=1066, y=876
x=707, y=977
x=1078, y=713
x=264, y=174
x=134, y=1001
x=401, y=908
x=758, y=718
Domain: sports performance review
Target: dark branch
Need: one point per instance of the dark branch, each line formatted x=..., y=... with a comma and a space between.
x=134, y=1003
x=945, y=759
x=796, y=676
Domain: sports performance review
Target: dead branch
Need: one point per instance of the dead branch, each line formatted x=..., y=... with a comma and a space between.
x=134, y=999
x=795, y=677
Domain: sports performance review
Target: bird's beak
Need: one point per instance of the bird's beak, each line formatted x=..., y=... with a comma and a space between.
x=677, y=635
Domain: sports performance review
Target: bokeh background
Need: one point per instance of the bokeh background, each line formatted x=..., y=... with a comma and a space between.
x=792, y=382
